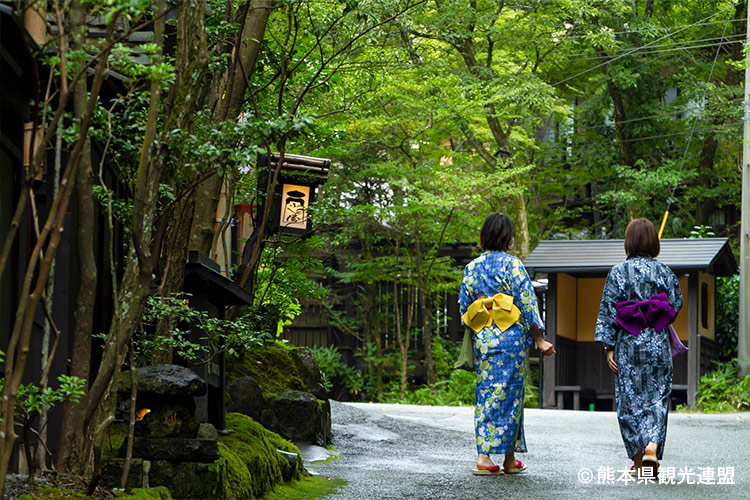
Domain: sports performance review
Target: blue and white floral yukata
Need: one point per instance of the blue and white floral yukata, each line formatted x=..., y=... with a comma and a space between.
x=500, y=356
x=643, y=382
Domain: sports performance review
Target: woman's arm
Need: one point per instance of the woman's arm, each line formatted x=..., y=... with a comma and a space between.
x=545, y=347
x=606, y=326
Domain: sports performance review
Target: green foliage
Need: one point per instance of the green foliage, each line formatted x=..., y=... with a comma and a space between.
x=727, y=314
x=456, y=390
x=531, y=395
x=287, y=274
x=444, y=354
x=642, y=190
x=336, y=372
x=33, y=399
x=221, y=335
x=124, y=62
x=723, y=391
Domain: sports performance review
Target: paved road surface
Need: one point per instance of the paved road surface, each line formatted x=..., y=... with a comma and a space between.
x=390, y=452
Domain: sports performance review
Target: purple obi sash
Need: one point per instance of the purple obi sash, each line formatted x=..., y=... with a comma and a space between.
x=654, y=312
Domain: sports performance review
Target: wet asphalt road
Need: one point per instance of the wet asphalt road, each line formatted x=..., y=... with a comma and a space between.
x=390, y=452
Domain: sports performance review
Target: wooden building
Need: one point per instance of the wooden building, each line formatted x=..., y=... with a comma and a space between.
x=22, y=79
x=577, y=271
x=313, y=328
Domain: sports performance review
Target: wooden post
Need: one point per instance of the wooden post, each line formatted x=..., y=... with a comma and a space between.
x=694, y=354
x=743, y=334
x=548, y=370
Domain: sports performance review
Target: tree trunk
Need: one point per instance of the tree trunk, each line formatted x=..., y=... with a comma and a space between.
x=624, y=149
x=38, y=270
x=424, y=310
x=83, y=316
x=522, y=243
x=174, y=256
x=134, y=289
x=253, y=20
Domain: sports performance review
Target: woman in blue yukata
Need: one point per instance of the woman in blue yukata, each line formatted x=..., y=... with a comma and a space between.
x=641, y=299
x=497, y=301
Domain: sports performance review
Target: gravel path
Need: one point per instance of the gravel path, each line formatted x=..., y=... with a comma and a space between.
x=426, y=453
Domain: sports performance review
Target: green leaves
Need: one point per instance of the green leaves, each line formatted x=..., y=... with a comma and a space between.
x=336, y=372
x=217, y=334
x=722, y=390
x=33, y=399
x=643, y=191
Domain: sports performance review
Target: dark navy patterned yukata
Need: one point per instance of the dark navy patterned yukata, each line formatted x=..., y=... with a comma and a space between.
x=500, y=356
x=644, y=380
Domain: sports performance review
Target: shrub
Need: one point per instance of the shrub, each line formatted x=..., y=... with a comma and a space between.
x=444, y=354
x=457, y=390
x=722, y=391
x=727, y=314
x=335, y=372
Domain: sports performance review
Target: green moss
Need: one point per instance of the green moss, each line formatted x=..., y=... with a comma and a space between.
x=47, y=493
x=157, y=493
x=328, y=460
x=276, y=367
x=306, y=488
x=114, y=436
x=237, y=481
x=253, y=467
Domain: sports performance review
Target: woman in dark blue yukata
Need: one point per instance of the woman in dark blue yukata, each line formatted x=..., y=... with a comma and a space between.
x=641, y=299
x=498, y=302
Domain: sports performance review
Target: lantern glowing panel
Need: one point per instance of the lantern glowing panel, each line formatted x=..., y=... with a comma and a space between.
x=295, y=200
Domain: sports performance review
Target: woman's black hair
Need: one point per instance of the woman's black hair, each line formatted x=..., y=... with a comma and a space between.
x=497, y=232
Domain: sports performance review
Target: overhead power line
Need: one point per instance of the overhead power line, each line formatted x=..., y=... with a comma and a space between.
x=637, y=49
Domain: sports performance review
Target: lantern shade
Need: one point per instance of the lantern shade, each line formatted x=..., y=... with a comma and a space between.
x=298, y=179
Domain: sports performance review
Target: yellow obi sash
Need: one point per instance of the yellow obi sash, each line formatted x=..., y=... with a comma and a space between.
x=485, y=311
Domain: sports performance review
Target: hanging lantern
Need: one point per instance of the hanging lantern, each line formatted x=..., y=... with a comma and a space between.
x=299, y=179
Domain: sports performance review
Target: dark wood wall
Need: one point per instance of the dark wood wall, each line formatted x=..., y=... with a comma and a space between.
x=315, y=327
x=584, y=364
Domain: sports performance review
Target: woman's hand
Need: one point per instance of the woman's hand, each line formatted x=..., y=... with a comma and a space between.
x=545, y=347
x=611, y=360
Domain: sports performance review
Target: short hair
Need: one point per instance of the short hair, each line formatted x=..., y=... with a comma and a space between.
x=641, y=238
x=497, y=232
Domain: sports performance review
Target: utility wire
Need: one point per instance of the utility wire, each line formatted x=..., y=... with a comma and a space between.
x=668, y=47
x=647, y=30
x=695, y=121
x=634, y=139
x=637, y=49
x=406, y=65
x=669, y=113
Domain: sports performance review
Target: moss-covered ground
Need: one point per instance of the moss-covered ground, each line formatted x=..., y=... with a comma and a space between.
x=157, y=493
x=253, y=467
x=52, y=493
x=306, y=488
